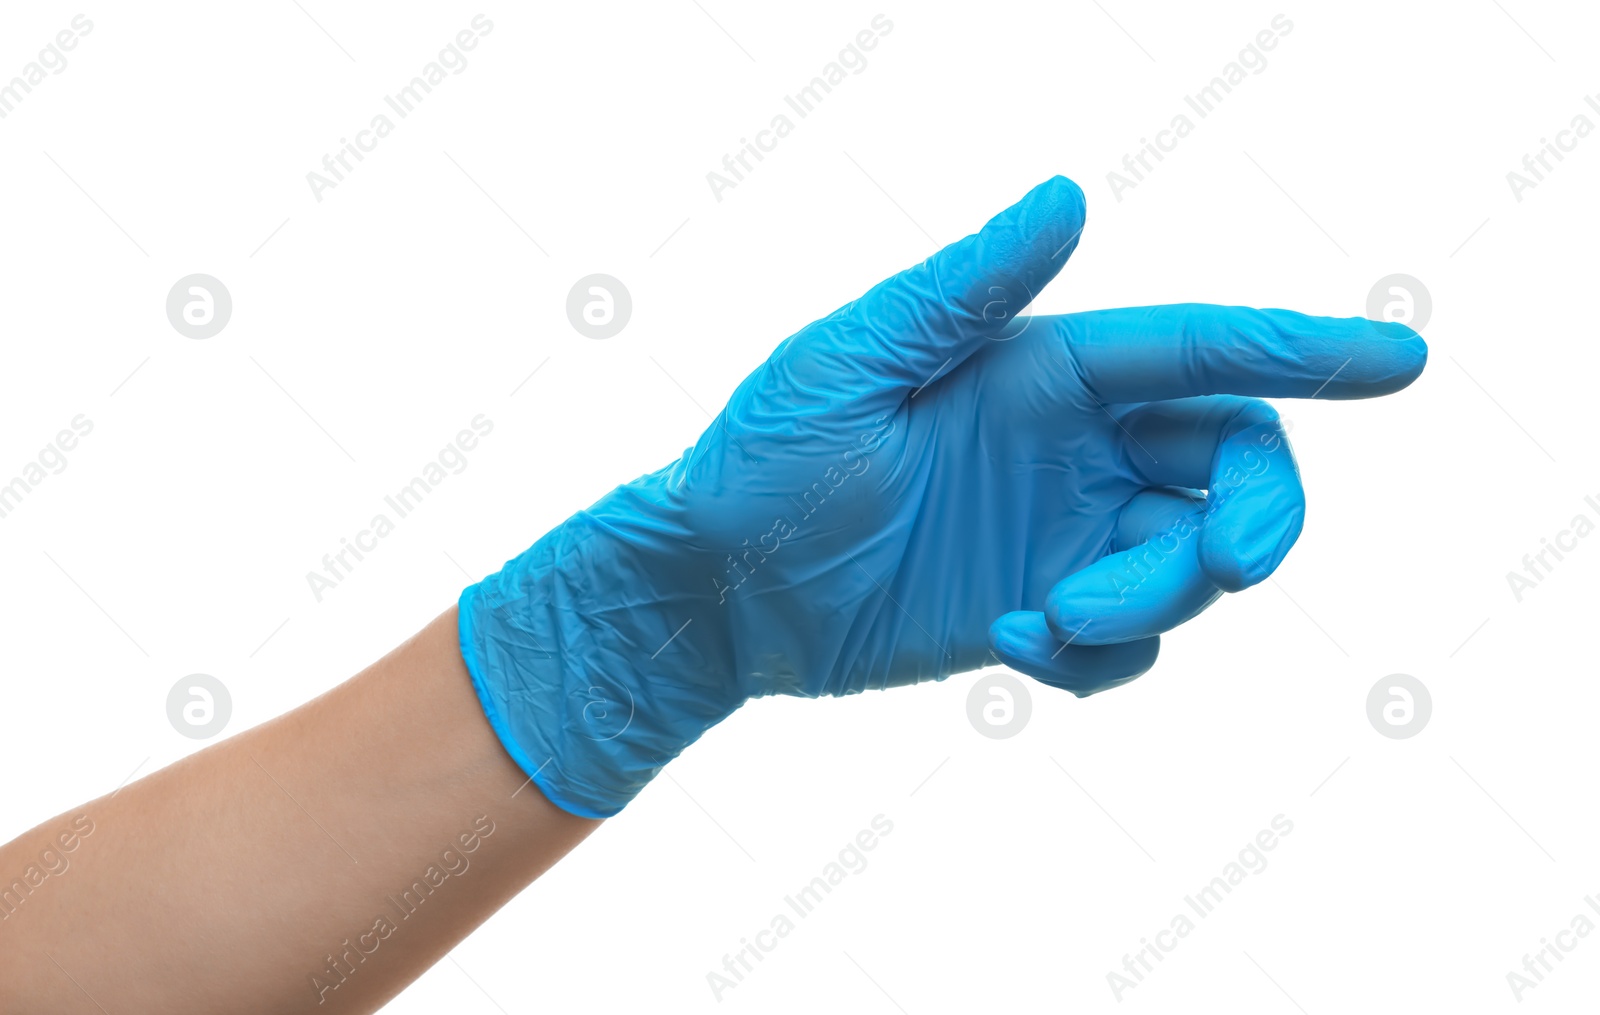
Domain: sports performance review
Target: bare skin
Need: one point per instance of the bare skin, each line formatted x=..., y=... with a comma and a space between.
x=319, y=862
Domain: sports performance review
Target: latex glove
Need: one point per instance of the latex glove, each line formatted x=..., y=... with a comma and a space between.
x=906, y=484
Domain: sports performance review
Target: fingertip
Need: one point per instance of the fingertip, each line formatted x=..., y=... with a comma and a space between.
x=1416, y=356
x=1229, y=573
x=1137, y=657
x=1066, y=193
x=1023, y=641
x=1055, y=211
x=1234, y=557
x=1386, y=358
x=1407, y=347
x=1010, y=634
x=1069, y=609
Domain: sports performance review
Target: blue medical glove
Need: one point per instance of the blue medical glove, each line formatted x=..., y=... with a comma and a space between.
x=914, y=485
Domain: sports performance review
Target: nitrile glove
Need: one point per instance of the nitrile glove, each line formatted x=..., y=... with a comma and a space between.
x=910, y=483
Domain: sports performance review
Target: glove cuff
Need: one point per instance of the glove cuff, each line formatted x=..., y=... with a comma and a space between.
x=579, y=672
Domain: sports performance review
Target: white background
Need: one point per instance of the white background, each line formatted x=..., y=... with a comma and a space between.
x=1377, y=140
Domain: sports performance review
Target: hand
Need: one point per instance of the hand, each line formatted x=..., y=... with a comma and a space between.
x=906, y=485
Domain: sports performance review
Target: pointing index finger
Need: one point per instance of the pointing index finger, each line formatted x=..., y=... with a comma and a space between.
x=1139, y=354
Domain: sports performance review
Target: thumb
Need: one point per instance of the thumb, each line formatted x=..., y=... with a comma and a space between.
x=922, y=323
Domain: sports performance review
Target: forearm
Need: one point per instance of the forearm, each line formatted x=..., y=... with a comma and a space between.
x=321, y=861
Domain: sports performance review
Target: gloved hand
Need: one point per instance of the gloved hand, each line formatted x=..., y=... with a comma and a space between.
x=906, y=485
